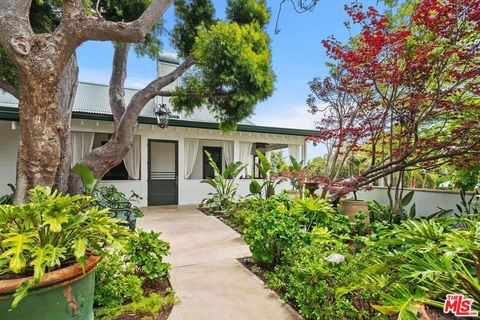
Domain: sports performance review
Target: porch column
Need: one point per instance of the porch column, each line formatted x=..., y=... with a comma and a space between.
x=304, y=153
x=236, y=150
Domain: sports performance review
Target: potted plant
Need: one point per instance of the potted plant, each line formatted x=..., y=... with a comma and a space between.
x=295, y=174
x=50, y=247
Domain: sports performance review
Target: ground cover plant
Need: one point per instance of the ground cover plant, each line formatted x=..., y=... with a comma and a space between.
x=328, y=268
x=133, y=281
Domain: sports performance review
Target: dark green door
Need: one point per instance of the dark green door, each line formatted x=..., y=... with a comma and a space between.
x=162, y=172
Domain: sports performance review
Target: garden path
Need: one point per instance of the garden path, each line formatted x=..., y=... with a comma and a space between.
x=210, y=282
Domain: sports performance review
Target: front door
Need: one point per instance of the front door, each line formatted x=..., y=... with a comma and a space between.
x=162, y=172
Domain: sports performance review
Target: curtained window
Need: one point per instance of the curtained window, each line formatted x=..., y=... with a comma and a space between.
x=191, y=152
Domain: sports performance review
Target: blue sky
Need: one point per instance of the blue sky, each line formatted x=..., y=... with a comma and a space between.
x=297, y=57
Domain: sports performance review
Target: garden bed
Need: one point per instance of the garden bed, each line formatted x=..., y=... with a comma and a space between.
x=259, y=272
x=160, y=287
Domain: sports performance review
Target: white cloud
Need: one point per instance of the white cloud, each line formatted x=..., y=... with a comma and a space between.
x=103, y=77
x=285, y=117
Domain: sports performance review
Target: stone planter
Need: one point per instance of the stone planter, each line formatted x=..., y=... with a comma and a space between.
x=351, y=207
x=62, y=294
x=294, y=194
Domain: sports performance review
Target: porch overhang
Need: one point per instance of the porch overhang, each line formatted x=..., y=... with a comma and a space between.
x=7, y=113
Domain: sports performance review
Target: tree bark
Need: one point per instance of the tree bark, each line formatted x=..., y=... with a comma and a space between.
x=102, y=159
x=66, y=98
x=39, y=150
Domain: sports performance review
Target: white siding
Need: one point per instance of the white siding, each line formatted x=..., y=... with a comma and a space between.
x=190, y=191
x=8, y=154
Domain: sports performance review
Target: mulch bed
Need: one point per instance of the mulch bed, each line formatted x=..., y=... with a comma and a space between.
x=159, y=287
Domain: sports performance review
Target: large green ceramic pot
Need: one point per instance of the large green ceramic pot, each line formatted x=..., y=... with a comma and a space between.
x=63, y=294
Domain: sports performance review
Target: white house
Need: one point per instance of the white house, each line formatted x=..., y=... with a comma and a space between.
x=164, y=166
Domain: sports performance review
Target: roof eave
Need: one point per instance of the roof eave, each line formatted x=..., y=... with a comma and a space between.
x=12, y=114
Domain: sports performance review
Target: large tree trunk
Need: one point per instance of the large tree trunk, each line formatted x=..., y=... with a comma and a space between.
x=39, y=150
x=66, y=97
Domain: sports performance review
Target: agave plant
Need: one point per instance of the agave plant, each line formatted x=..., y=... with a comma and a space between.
x=50, y=232
x=224, y=184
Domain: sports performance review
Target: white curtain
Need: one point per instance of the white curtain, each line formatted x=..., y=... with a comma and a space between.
x=295, y=151
x=132, y=159
x=228, y=152
x=82, y=143
x=245, y=153
x=191, y=152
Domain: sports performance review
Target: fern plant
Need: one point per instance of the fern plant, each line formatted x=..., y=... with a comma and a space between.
x=50, y=232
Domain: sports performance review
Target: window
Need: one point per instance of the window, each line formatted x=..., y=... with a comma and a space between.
x=216, y=154
x=116, y=173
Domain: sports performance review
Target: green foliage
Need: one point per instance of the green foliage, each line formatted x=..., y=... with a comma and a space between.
x=272, y=235
x=120, y=206
x=247, y=208
x=248, y=11
x=121, y=273
x=116, y=282
x=233, y=72
x=146, y=251
x=8, y=198
x=146, y=306
x=467, y=178
x=190, y=17
x=270, y=181
x=224, y=184
x=52, y=230
x=311, y=212
x=379, y=212
x=129, y=10
x=89, y=181
x=310, y=282
x=426, y=260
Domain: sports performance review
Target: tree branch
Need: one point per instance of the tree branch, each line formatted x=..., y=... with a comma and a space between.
x=135, y=31
x=197, y=95
x=117, y=81
x=101, y=159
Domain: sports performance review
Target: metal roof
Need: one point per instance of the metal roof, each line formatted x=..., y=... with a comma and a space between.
x=93, y=98
x=92, y=102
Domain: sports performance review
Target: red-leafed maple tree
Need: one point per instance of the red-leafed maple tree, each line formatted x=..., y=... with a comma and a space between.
x=405, y=91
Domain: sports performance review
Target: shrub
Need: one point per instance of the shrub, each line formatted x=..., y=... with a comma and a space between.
x=146, y=251
x=310, y=282
x=116, y=282
x=50, y=232
x=120, y=275
x=246, y=209
x=272, y=234
x=420, y=262
x=311, y=212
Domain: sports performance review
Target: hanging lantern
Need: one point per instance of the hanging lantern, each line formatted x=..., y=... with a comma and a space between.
x=162, y=113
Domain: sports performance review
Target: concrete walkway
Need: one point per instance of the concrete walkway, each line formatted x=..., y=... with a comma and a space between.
x=211, y=283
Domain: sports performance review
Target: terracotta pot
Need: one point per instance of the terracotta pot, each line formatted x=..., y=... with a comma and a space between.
x=351, y=207
x=294, y=194
x=62, y=294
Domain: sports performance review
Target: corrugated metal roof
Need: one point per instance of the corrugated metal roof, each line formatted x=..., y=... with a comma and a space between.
x=93, y=98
